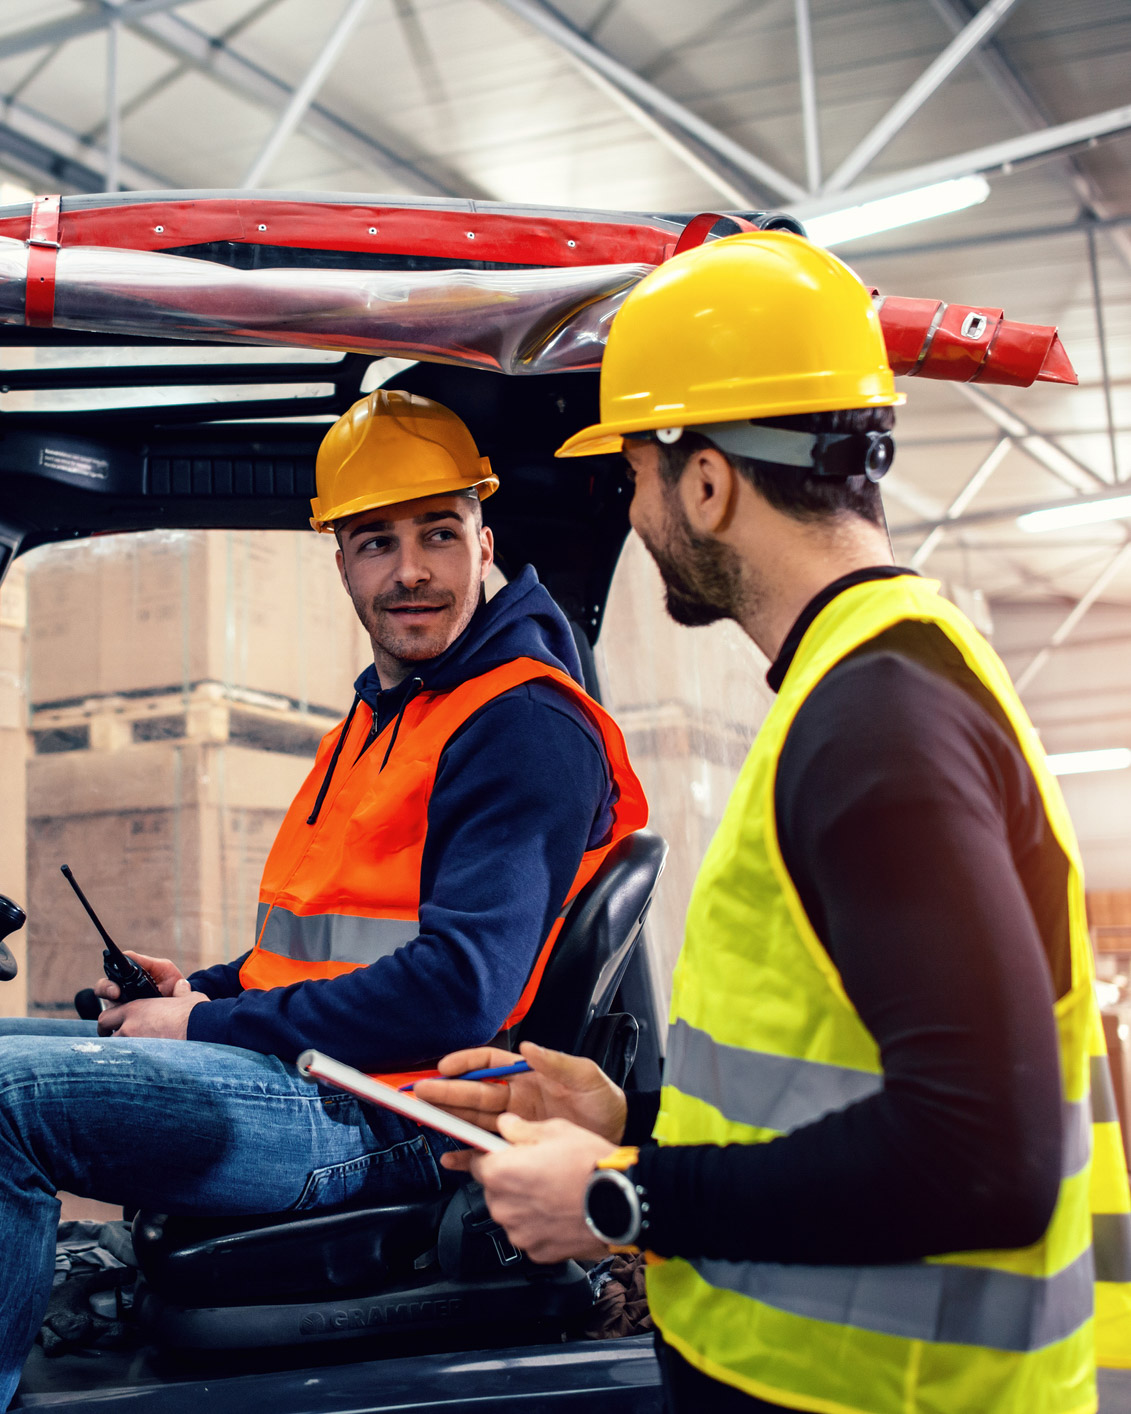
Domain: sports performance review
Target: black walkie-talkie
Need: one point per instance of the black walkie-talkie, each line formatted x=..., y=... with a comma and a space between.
x=131, y=978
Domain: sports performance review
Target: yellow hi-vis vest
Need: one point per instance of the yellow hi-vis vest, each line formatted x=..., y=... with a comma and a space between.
x=764, y=1039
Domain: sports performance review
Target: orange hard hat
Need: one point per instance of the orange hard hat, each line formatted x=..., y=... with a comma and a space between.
x=390, y=447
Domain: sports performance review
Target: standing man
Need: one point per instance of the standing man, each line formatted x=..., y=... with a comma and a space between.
x=408, y=904
x=876, y=1164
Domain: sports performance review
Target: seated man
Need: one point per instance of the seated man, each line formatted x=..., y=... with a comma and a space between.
x=407, y=906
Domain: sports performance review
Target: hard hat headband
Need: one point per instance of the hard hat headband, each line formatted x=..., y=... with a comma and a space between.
x=836, y=455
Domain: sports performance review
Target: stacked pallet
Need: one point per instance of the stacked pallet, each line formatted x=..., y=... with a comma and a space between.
x=13, y=759
x=179, y=686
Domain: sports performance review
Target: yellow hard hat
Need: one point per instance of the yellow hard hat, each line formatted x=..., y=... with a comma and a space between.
x=751, y=326
x=390, y=447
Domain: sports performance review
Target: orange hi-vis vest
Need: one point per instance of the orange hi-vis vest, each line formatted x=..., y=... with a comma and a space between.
x=342, y=892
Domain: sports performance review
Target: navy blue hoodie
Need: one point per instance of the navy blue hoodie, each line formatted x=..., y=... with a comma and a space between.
x=522, y=790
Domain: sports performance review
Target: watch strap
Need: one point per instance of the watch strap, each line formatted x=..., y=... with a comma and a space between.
x=620, y=1159
x=621, y=1162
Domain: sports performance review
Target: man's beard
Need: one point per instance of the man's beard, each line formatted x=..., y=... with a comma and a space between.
x=383, y=630
x=702, y=579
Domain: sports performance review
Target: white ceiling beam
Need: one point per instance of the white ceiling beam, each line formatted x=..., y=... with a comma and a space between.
x=229, y=68
x=139, y=98
x=996, y=515
x=933, y=515
x=1010, y=89
x=1010, y=153
x=1041, y=449
x=976, y=32
x=713, y=176
x=113, y=107
x=807, y=78
x=954, y=511
x=55, y=32
x=303, y=96
x=63, y=157
x=42, y=167
x=1083, y=604
x=546, y=21
x=1101, y=337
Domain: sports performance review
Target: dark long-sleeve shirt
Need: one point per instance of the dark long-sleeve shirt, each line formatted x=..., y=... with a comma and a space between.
x=913, y=831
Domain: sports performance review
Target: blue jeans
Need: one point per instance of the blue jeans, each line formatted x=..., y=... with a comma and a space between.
x=179, y=1126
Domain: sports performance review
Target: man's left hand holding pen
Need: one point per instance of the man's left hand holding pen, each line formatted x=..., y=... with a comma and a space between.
x=561, y=1117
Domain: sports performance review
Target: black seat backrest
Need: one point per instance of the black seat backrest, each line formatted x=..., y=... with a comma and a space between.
x=589, y=958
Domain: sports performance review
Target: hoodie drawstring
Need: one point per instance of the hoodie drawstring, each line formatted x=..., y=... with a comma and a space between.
x=414, y=687
x=325, y=786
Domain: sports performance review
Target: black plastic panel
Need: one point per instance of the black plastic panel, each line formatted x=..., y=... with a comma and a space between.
x=69, y=474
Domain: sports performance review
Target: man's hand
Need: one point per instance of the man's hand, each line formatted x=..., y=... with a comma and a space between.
x=165, y=973
x=153, y=1016
x=536, y=1190
x=559, y=1086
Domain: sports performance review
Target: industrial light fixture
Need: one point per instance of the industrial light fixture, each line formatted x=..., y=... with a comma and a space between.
x=1077, y=763
x=889, y=212
x=1087, y=513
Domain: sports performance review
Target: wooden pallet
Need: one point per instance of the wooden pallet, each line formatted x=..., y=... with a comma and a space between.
x=207, y=712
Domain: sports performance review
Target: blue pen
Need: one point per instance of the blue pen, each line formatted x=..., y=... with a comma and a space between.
x=495, y=1072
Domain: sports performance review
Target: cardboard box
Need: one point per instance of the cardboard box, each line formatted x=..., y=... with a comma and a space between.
x=255, y=611
x=171, y=675
x=13, y=761
x=168, y=841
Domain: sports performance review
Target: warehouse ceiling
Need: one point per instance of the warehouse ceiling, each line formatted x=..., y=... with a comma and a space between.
x=661, y=106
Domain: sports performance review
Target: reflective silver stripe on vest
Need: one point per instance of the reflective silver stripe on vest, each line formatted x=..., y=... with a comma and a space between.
x=756, y=1088
x=331, y=937
x=953, y=1305
x=1111, y=1238
x=1103, y=1094
x=782, y=1093
x=1077, y=1143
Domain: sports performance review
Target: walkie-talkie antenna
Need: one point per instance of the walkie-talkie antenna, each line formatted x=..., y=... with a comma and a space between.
x=128, y=976
x=65, y=870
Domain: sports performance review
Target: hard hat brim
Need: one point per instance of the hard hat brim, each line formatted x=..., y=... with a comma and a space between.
x=592, y=442
x=395, y=496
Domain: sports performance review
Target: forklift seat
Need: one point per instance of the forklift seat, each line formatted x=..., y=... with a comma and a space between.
x=289, y=1279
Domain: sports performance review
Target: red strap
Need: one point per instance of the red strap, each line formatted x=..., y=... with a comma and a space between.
x=42, y=255
x=700, y=227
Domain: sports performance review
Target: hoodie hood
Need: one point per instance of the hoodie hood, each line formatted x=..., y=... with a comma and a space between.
x=521, y=621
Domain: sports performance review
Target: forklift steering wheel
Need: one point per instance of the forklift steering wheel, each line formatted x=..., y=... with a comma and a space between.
x=12, y=919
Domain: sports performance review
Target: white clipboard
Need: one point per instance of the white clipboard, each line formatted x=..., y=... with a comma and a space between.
x=316, y=1066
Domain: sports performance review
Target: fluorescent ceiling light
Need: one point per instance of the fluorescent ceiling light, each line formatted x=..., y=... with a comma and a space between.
x=1076, y=763
x=891, y=211
x=1087, y=513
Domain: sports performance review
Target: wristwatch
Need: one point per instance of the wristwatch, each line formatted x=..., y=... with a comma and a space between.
x=616, y=1208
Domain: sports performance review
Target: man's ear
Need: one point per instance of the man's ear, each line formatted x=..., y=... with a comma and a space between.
x=340, y=560
x=487, y=549
x=708, y=489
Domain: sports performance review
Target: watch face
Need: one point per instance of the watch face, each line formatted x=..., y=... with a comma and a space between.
x=610, y=1209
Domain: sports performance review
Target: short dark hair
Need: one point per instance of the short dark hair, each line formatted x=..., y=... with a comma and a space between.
x=789, y=488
